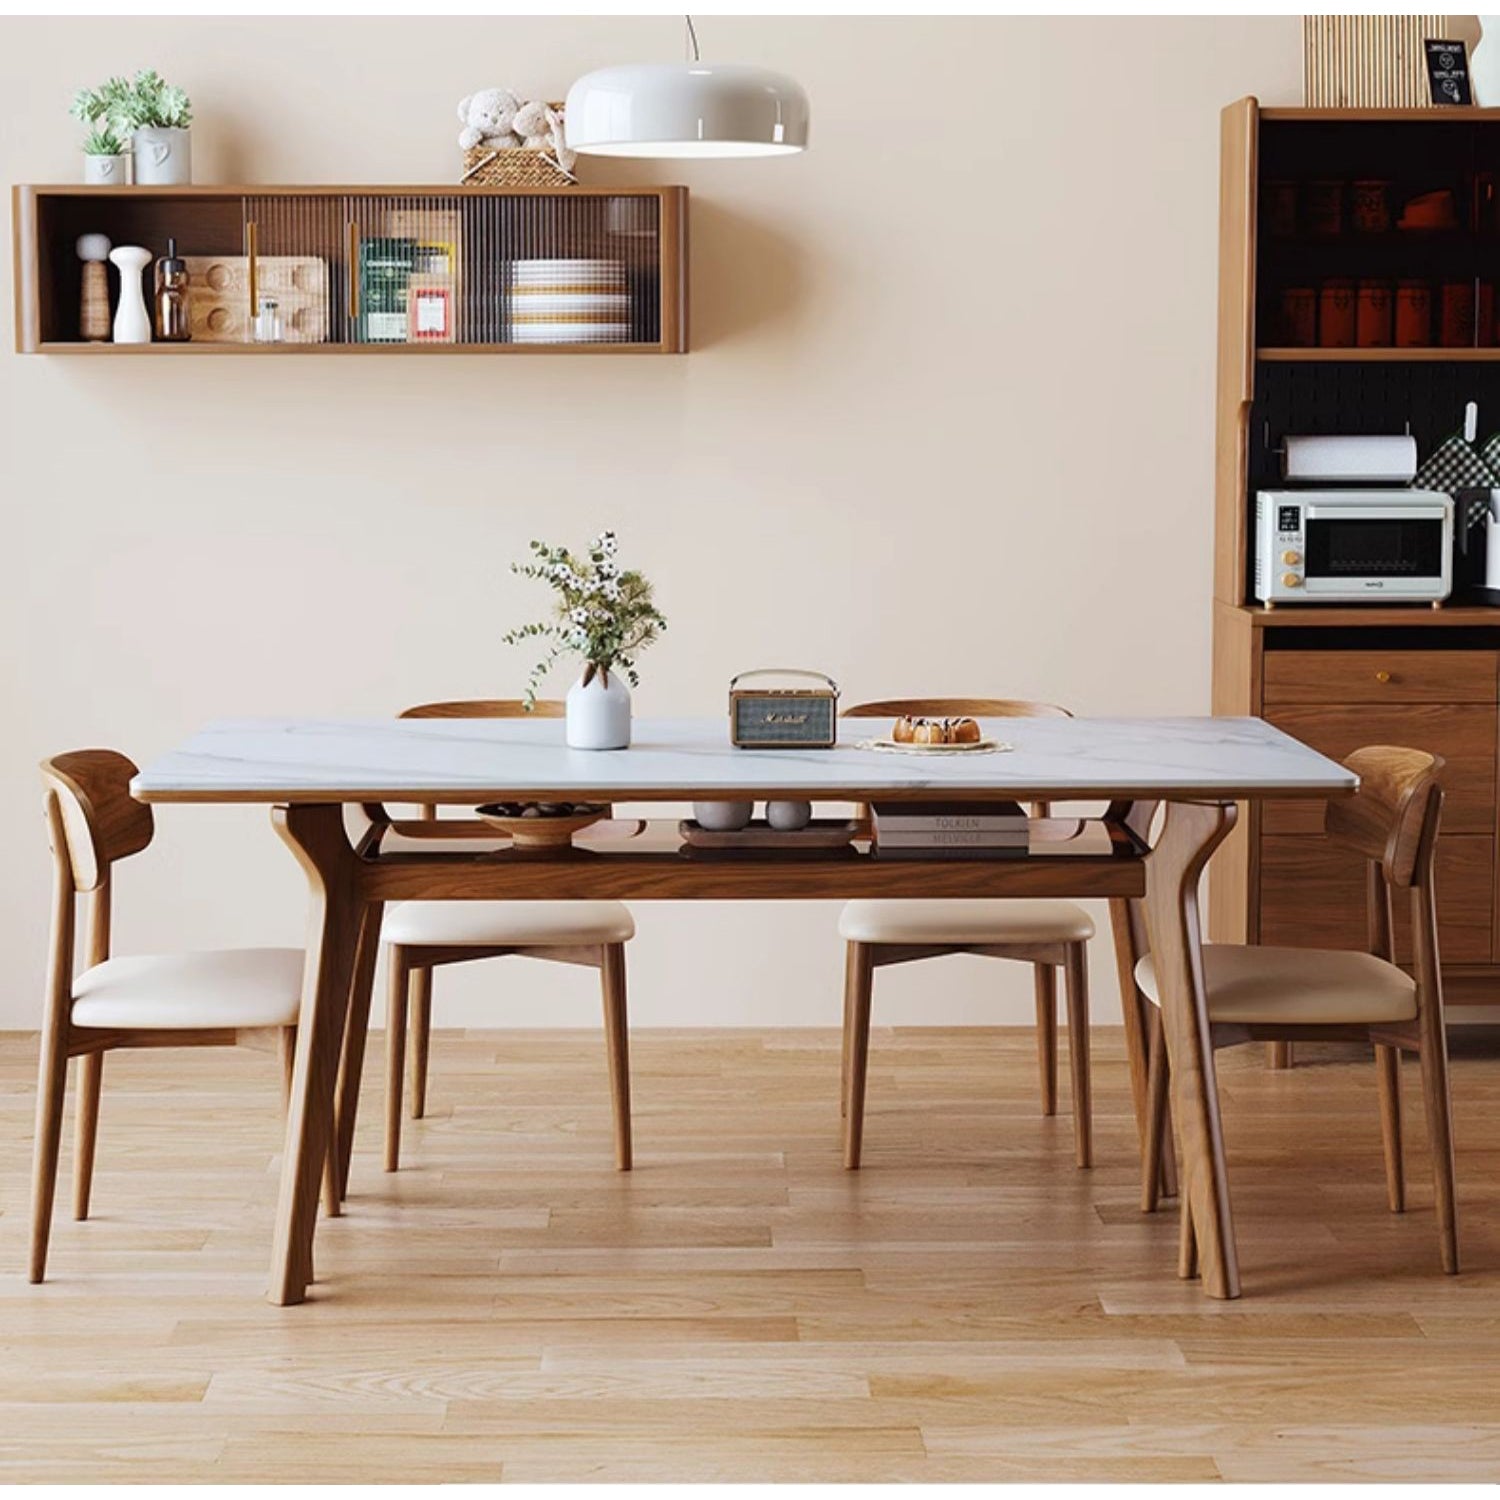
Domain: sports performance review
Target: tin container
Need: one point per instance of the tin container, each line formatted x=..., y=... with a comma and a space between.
x=1374, y=315
x=1456, y=315
x=1299, y=317
x=1336, y=311
x=1413, y=315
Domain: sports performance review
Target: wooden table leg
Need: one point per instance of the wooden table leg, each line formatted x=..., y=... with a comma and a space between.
x=1190, y=833
x=1128, y=920
x=315, y=834
x=352, y=1063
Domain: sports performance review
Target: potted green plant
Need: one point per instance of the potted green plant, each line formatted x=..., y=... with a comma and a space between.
x=605, y=617
x=155, y=116
x=105, y=159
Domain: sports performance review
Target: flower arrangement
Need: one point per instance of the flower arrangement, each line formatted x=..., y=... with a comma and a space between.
x=122, y=105
x=603, y=615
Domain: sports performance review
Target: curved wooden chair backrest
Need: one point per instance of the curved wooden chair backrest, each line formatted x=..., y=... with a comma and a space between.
x=486, y=708
x=99, y=821
x=956, y=708
x=1393, y=817
x=481, y=708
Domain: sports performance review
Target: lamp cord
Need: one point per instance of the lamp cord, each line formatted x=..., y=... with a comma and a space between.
x=692, y=36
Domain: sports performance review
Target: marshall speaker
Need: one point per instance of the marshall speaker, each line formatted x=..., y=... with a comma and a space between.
x=783, y=717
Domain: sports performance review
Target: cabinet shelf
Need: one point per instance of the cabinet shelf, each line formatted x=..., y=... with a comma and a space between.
x=1423, y=356
x=373, y=269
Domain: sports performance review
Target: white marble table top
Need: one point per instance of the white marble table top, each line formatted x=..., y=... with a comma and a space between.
x=466, y=761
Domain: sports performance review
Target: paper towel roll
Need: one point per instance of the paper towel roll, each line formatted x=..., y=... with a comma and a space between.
x=1351, y=460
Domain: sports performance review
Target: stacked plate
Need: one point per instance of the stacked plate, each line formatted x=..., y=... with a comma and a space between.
x=569, y=302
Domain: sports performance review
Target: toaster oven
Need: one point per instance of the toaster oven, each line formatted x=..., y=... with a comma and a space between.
x=1337, y=546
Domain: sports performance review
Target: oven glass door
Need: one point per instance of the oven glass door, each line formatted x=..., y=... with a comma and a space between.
x=1351, y=548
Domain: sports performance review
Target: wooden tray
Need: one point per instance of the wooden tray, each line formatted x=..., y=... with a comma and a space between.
x=821, y=833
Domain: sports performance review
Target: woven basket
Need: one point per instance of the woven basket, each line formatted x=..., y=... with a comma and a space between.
x=514, y=166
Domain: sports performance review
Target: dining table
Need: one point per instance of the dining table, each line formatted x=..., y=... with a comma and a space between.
x=1157, y=797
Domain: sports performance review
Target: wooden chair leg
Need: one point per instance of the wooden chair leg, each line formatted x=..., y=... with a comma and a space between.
x=421, y=1031
x=1046, y=1034
x=1156, y=1142
x=1076, y=969
x=1439, y=1107
x=51, y=1087
x=1388, y=1076
x=1278, y=1056
x=395, y=1052
x=617, y=1046
x=287, y=1048
x=1187, y=1243
x=86, y=1132
x=859, y=974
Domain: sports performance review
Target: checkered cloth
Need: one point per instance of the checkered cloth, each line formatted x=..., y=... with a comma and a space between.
x=1455, y=466
x=1490, y=453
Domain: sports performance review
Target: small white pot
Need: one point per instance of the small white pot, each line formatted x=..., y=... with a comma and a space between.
x=163, y=156
x=106, y=171
x=598, y=713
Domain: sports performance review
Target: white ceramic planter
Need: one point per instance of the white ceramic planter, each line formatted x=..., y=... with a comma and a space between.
x=106, y=171
x=1484, y=62
x=598, y=714
x=132, y=321
x=163, y=156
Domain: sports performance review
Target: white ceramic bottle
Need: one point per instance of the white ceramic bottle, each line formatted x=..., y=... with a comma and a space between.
x=132, y=320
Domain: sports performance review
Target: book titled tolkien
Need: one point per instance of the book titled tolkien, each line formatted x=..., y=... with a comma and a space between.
x=973, y=830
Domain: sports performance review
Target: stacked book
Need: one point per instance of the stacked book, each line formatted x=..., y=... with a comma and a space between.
x=950, y=830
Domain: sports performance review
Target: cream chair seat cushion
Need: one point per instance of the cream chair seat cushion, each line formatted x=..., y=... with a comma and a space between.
x=1288, y=986
x=232, y=988
x=982, y=921
x=536, y=924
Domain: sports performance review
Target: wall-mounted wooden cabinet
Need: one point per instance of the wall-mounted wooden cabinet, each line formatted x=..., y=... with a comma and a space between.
x=1317, y=205
x=373, y=269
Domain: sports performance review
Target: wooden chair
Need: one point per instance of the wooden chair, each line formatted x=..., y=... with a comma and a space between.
x=233, y=996
x=1049, y=935
x=1307, y=994
x=422, y=935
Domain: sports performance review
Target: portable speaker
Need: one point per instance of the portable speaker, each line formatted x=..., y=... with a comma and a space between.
x=784, y=718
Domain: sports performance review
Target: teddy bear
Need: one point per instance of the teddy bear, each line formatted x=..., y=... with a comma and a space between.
x=488, y=118
x=541, y=129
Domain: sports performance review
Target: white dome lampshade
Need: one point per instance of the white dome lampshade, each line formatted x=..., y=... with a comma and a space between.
x=692, y=109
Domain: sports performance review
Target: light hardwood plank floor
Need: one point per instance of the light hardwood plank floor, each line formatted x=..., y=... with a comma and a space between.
x=967, y=1307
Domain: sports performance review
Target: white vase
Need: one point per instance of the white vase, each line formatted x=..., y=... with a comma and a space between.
x=1484, y=63
x=132, y=321
x=598, y=712
x=105, y=171
x=163, y=156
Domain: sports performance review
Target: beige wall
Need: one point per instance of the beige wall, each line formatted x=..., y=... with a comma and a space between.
x=947, y=427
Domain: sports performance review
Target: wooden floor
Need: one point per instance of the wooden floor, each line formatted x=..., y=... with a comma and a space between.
x=968, y=1307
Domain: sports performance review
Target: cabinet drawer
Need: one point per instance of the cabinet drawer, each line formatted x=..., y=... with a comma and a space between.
x=1312, y=895
x=1380, y=677
x=1463, y=734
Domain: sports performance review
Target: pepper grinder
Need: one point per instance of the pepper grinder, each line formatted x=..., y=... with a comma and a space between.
x=93, y=305
x=173, y=324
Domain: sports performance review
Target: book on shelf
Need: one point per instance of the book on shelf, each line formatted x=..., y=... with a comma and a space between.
x=950, y=851
x=948, y=817
x=954, y=838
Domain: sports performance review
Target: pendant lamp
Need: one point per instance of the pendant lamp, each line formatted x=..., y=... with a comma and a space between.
x=690, y=109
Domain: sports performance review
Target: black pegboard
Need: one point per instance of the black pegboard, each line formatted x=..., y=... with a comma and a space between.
x=1360, y=399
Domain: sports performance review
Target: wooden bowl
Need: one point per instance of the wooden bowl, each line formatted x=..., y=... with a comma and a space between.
x=542, y=830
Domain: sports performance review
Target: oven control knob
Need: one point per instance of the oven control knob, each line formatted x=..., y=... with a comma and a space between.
x=1291, y=559
x=1291, y=581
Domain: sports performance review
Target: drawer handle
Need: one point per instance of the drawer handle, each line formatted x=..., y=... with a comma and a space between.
x=1382, y=677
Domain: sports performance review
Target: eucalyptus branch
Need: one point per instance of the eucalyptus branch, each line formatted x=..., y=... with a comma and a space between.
x=602, y=615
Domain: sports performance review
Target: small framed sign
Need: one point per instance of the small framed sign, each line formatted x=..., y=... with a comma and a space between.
x=1448, y=73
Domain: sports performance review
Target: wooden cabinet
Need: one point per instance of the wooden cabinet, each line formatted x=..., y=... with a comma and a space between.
x=1341, y=676
x=428, y=270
